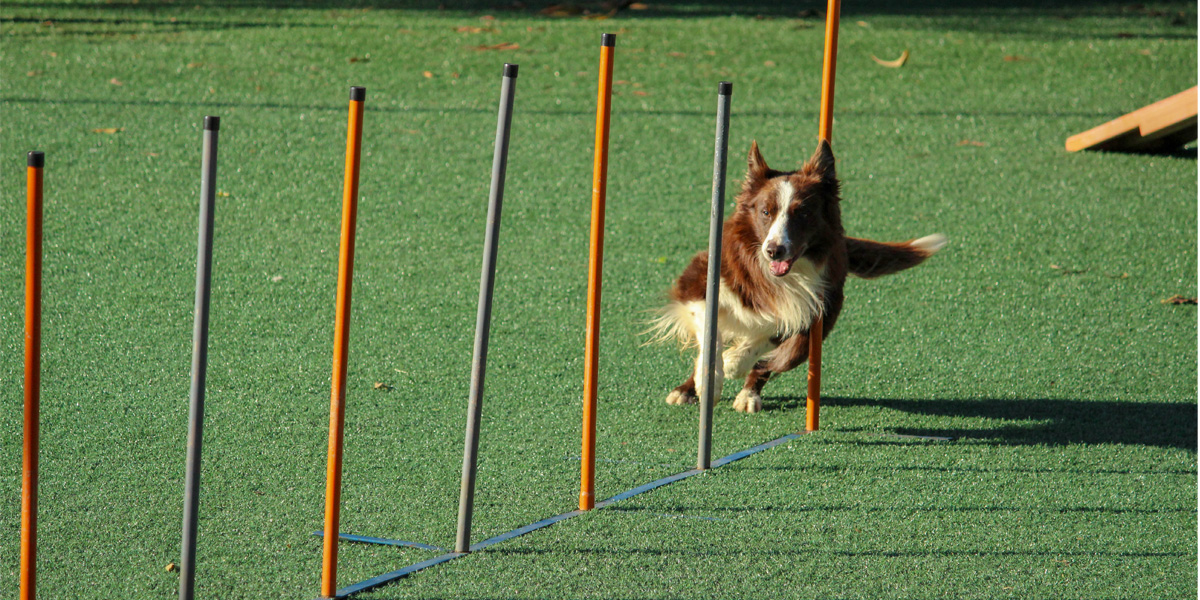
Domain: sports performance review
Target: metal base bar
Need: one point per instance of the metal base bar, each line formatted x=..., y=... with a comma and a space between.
x=386, y=578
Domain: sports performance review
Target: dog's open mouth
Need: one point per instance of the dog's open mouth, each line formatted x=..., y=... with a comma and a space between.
x=779, y=268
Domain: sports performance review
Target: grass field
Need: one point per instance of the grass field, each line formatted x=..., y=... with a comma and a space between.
x=1038, y=338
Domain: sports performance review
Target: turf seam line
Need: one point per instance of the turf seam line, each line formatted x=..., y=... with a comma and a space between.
x=389, y=577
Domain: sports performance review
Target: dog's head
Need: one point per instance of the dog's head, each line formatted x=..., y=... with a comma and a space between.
x=794, y=213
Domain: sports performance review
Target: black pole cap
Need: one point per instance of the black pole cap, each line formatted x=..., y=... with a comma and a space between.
x=608, y=39
x=510, y=70
x=725, y=88
x=212, y=123
x=358, y=94
x=37, y=159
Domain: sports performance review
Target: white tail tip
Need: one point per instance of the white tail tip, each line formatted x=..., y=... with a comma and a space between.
x=930, y=243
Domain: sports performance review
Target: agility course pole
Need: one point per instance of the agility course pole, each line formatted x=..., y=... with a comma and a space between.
x=483, y=319
x=591, y=354
x=812, y=418
x=33, y=373
x=341, y=344
x=709, y=354
x=191, y=487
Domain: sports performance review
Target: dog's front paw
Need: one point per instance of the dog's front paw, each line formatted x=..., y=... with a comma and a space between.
x=747, y=401
x=677, y=397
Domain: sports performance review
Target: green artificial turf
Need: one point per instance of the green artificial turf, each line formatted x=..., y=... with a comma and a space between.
x=1037, y=338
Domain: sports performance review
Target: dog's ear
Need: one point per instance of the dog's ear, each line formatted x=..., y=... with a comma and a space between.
x=822, y=164
x=756, y=171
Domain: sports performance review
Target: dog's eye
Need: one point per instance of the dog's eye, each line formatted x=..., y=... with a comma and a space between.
x=766, y=212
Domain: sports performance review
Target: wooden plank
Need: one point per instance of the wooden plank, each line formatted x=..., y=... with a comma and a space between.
x=1150, y=127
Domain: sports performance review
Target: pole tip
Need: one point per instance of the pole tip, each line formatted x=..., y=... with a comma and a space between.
x=608, y=39
x=37, y=159
x=358, y=94
x=510, y=70
x=212, y=123
x=725, y=88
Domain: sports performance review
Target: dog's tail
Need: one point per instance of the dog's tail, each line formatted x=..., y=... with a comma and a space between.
x=869, y=259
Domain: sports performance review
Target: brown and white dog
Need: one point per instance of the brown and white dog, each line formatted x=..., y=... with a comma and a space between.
x=784, y=261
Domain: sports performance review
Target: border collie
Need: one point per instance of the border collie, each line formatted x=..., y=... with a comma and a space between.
x=784, y=261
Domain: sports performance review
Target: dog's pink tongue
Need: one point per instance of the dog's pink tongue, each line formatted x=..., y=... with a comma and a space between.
x=780, y=268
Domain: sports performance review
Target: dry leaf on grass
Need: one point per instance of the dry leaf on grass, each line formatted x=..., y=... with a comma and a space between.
x=500, y=46
x=427, y=74
x=171, y=567
x=971, y=143
x=357, y=59
x=473, y=29
x=640, y=93
x=1177, y=299
x=115, y=81
x=677, y=54
x=109, y=130
x=892, y=64
x=638, y=6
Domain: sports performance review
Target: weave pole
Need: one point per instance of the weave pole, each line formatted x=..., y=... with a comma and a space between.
x=191, y=488
x=709, y=354
x=33, y=373
x=483, y=319
x=812, y=418
x=591, y=354
x=341, y=345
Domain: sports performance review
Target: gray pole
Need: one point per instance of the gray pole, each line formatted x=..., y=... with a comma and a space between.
x=466, y=498
x=191, y=493
x=709, y=356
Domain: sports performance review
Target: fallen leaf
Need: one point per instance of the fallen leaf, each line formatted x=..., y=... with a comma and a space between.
x=427, y=74
x=975, y=143
x=195, y=65
x=620, y=82
x=862, y=23
x=223, y=194
x=639, y=6
x=115, y=81
x=487, y=18
x=1014, y=58
x=677, y=54
x=640, y=93
x=599, y=17
x=356, y=59
x=769, y=63
x=892, y=64
x=32, y=73
x=277, y=278
x=152, y=154
x=1145, y=52
x=171, y=567
x=500, y=46
x=379, y=385
x=1067, y=271
x=472, y=29
x=109, y=130
x=1177, y=299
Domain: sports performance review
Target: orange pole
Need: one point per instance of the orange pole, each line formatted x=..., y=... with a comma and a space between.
x=591, y=355
x=33, y=376
x=812, y=419
x=341, y=345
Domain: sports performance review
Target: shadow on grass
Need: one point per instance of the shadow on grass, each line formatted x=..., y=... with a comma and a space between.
x=1039, y=421
x=1170, y=20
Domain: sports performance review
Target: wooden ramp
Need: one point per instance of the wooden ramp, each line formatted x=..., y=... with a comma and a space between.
x=1165, y=125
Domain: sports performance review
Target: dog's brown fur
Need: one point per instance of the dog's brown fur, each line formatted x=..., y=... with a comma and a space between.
x=778, y=275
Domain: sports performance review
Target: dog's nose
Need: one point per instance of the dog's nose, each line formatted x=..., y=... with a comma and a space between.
x=775, y=250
